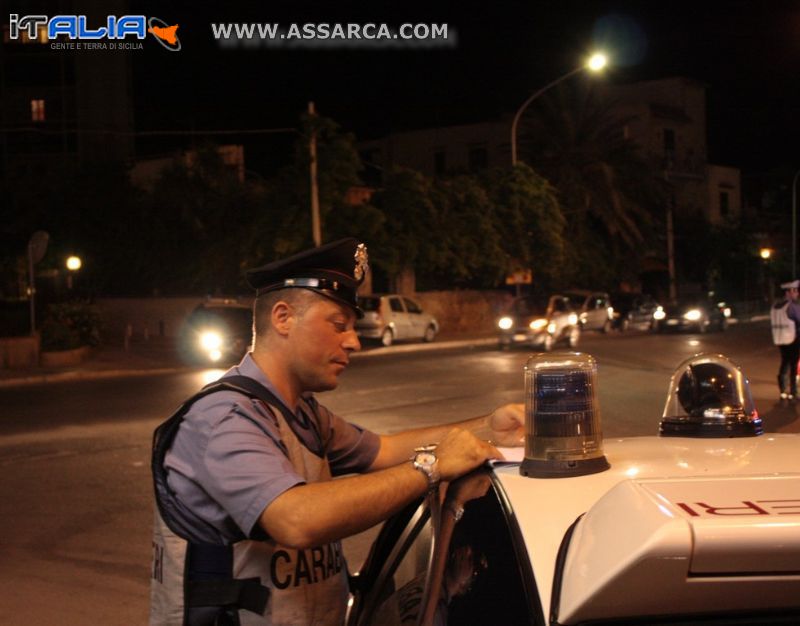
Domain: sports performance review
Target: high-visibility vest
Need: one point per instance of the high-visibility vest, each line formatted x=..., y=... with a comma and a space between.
x=783, y=327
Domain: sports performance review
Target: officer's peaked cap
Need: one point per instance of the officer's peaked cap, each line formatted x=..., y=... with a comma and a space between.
x=335, y=270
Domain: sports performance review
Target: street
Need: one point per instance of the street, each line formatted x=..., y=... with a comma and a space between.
x=76, y=492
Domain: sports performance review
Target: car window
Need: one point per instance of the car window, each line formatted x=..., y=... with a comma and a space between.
x=369, y=303
x=577, y=299
x=560, y=305
x=396, y=305
x=483, y=582
x=411, y=306
x=528, y=306
x=234, y=319
x=402, y=581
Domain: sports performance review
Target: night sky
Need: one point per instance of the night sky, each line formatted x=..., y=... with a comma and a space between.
x=747, y=52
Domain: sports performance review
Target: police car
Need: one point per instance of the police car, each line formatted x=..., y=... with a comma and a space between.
x=698, y=525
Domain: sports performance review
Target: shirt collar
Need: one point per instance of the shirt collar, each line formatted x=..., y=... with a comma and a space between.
x=248, y=367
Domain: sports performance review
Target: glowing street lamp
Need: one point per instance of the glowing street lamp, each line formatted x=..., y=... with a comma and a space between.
x=74, y=263
x=765, y=253
x=594, y=64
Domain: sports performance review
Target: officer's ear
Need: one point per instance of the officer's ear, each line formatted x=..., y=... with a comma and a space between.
x=282, y=317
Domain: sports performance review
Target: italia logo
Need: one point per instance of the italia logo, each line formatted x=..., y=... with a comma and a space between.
x=77, y=27
x=165, y=34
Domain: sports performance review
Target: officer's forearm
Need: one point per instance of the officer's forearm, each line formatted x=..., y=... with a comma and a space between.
x=317, y=513
x=399, y=447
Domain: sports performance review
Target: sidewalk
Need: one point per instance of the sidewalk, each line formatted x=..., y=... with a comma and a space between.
x=159, y=355
x=155, y=356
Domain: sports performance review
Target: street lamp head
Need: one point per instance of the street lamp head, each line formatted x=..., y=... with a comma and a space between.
x=74, y=263
x=597, y=62
x=765, y=253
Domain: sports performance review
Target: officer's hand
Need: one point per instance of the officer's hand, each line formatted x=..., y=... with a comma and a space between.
x=507, y=425
x=460, y=451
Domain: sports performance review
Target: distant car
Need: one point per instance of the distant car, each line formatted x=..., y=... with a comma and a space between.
x=392, y=317
x=693, y=313
x=593, y=309
x=633, y=311
x=697, y=526
x=539, y=321
x=217, y=331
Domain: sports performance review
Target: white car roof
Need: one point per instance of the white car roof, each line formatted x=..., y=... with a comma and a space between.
x=675, y=525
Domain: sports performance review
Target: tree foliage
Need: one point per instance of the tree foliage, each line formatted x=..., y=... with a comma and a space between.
x=612, y=198
x=469, y=230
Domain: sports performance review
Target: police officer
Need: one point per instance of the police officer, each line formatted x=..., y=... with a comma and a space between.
x=249, y=522
x=785, y=320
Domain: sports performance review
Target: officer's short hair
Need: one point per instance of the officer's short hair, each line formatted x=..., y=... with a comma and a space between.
x=299, y=299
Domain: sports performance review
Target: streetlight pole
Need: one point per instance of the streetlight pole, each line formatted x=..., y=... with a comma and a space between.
x=596, y=63
x=316, y=229
x=794, y=224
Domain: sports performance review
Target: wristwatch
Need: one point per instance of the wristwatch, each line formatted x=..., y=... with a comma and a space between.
x=425, y=461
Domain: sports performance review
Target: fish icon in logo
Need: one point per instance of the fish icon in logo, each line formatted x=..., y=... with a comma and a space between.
x=165, y=34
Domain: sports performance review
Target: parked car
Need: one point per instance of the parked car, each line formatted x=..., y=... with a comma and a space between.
x=634, y=311
x=693, y=313
x=701, y=528
x=391, y=317
x=539, y=321
x=217, y=331
x=593, y=308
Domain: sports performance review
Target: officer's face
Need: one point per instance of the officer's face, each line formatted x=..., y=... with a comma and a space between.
x=323, y=338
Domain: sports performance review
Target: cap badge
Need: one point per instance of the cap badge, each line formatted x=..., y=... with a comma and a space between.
x=362, y=262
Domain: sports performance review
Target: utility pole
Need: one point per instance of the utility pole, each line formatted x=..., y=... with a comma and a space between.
x=316, y=231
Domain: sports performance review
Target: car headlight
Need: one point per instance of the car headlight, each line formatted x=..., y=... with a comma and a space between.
x=573, y=319
x=659, y=314
x=693, y=315
x=538, y=324
x=551, y=328
x=210, y=340
x=610, y=312
x=505, y=323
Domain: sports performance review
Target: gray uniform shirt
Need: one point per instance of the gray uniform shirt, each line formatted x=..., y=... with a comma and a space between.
x=226, y=464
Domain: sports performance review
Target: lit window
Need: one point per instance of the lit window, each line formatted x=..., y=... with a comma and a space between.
x=37, y=111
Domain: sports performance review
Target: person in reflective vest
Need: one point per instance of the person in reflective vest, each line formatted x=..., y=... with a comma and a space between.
x=248, y=518
x=784, y=320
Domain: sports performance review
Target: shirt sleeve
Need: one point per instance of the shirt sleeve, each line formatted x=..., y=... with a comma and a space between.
x=245, y=467
x=352, y=449
x=793, y=312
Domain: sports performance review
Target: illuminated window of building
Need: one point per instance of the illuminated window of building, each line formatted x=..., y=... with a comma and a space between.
x=37, y=110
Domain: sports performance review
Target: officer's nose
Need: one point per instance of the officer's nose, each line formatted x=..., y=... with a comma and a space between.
x=351, y=341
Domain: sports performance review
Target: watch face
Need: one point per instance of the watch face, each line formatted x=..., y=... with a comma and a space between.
x=425, y=458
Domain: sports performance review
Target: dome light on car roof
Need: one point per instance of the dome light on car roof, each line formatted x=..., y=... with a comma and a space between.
x=562, y=417
x=709, y=396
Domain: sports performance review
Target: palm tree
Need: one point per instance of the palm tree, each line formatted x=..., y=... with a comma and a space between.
x=609, y=194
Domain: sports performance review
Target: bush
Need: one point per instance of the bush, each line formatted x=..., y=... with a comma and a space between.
x=71, y=325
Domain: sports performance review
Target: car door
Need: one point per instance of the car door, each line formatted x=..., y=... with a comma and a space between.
x=560, y=308
x=402, y=324
x=417, y=321
x=596, y=311
x=426, y=567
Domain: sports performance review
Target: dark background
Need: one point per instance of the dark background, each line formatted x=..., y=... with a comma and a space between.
x=746, y=52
